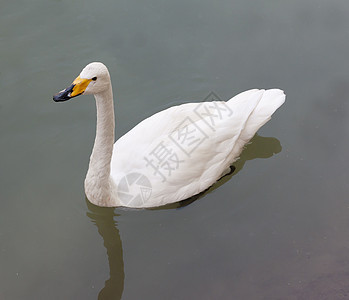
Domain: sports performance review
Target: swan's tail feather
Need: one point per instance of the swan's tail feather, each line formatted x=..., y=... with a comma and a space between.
x=270, y=101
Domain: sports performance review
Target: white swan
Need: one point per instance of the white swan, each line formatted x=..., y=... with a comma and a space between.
x=172, y=155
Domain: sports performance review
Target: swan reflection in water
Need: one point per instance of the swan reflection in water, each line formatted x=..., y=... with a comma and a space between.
x=105, y=217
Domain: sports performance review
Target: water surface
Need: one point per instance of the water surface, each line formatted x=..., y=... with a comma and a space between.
x=277, y=228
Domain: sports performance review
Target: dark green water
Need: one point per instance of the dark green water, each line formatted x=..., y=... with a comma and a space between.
x=277, y=229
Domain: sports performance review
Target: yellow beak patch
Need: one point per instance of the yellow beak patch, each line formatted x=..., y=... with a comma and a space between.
x=80, y=85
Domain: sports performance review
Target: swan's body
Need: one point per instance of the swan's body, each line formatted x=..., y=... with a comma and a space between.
x=172, y=155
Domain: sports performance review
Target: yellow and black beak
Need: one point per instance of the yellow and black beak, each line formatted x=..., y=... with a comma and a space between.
x=77, y=88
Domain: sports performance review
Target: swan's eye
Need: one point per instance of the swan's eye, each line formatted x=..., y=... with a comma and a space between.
x=94, y=78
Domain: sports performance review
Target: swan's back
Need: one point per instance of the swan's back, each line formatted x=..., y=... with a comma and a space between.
x=221, y=130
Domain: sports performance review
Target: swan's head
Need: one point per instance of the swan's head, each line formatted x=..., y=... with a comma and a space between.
x=93, y=79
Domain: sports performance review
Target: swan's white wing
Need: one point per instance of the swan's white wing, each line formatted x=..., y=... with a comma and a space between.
x=183, y=150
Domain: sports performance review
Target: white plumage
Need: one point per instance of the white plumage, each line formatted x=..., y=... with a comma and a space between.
x=172, y=155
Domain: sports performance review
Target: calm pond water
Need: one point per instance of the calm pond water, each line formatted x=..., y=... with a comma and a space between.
x=277, y=228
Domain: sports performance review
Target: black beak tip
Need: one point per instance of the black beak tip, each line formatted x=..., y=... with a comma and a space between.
x=60, y=98
x=63, y=95
x=56, y=98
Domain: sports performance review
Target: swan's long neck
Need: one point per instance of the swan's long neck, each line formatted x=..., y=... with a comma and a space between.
x=99, y=187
